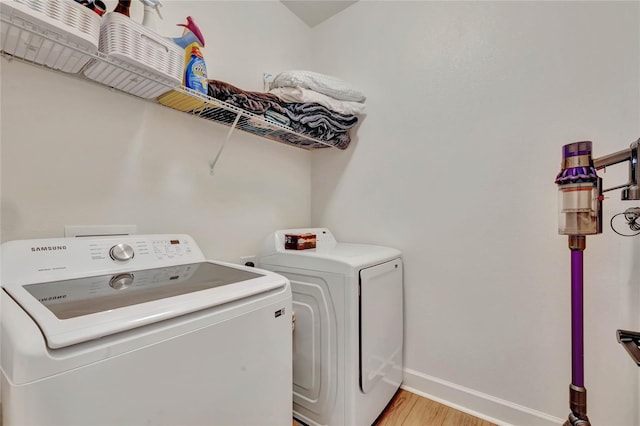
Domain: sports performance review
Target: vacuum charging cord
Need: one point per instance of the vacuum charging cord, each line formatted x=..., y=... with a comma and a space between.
x=632, y=217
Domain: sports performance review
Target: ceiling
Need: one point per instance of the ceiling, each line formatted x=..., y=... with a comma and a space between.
x=313, y=12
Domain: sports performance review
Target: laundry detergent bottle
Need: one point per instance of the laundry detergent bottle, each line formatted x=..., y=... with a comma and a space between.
x=196, y=71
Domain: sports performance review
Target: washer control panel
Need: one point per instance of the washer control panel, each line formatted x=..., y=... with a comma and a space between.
x=36, y=260
x=124, y=252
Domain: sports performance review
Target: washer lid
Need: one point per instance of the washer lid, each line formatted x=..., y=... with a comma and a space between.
x=76, y=310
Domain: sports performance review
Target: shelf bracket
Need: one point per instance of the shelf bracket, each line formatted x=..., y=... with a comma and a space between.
x=212, y=165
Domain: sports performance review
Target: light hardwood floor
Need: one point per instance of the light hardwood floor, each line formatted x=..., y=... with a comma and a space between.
x=409, y=409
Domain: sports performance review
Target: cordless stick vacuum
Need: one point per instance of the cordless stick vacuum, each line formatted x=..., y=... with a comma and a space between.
x=580, y=193
x=580, y=214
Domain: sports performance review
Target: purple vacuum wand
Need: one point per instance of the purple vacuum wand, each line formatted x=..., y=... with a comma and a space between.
x=577, y=335
x=577, y=391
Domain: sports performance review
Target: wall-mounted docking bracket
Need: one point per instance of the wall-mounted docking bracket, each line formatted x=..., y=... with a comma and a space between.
x=630, y=190
x=631, y=342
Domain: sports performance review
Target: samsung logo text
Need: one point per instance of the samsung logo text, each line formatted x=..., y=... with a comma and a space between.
x=48, y=248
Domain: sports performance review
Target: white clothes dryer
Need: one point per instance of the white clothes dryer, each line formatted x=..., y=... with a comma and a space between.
x=141, y=329
x=348, y=326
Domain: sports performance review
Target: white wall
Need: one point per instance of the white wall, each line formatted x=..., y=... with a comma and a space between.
x=77, y=153
x=469, y=104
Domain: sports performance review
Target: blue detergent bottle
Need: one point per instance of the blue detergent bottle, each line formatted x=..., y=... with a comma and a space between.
x=196, y=72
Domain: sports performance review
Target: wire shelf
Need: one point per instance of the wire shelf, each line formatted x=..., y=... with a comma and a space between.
x=208, y=108
x=62, y=51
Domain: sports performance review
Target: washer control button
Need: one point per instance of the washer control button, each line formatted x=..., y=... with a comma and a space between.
x=121, y=252
x=121, y=281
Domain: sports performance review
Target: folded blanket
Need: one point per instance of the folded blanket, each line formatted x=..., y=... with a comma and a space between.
x=319, y=122
x=254, y=102
x=321, y=83
x=310, y=119
x=300, y=94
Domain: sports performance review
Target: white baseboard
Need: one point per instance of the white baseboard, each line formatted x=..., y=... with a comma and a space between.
x=478, y=404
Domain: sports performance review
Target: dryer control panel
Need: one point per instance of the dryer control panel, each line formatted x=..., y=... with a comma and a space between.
x=324, y=238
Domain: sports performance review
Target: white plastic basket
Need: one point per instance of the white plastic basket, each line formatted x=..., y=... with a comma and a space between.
x=66, y=24
x=154, y=64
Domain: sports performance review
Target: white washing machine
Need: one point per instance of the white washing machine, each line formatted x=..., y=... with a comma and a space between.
x=348, y=335
x=141, y=330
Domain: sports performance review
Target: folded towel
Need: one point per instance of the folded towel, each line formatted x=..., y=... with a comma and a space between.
x=300, y=94
x=321, y=83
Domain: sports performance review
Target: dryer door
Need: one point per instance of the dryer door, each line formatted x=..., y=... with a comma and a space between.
x=381, y=325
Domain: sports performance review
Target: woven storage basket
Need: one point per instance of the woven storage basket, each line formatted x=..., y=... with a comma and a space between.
x=72, y=32
x=153, y=64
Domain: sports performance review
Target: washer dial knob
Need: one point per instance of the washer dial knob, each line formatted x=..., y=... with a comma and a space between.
x=121, y=252
x=121, y=281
